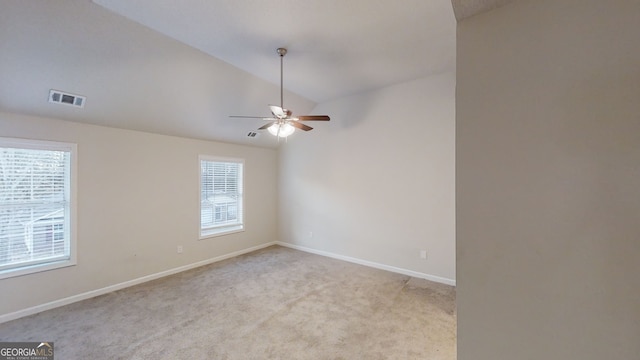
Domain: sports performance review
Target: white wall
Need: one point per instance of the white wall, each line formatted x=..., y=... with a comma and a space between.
x=376, y=183
x=138, y=199
x=548, y=174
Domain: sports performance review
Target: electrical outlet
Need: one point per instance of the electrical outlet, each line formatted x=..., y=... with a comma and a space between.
x=179, y=249
x=310, y=234
x=423, y=254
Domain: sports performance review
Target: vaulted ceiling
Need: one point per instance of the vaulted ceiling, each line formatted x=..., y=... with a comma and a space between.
x=182, y=67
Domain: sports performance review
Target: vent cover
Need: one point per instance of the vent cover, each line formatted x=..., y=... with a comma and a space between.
x=60, y=97
x=253, y=134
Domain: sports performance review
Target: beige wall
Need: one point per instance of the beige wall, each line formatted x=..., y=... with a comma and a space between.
x=376, y=183
x=548, y=174
x=138, y=199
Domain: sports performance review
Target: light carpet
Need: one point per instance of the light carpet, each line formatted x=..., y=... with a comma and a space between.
x=275, y=303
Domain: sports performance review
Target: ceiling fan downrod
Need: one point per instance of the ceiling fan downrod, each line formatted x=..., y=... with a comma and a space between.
x=282, y=52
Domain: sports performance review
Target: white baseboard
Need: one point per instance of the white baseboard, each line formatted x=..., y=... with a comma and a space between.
x=93, y=293
x=372, y=264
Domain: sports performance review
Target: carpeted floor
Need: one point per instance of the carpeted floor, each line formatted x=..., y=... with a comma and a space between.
x=275, y=303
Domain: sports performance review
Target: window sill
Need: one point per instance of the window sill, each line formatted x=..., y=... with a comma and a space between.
x=36, y=268
x=210, y=233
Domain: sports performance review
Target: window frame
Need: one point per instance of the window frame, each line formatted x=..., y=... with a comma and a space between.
x=205, y=233
x=46, y=145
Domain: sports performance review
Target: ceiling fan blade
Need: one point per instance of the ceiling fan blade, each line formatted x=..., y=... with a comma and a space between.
x=254, y=117
x=263, y=127
x=278, y=112
x=300, y=125
x=313, y=118
x=249, y=117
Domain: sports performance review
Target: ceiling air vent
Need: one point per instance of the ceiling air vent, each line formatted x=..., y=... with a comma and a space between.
x=59, y=97
x=253, y=134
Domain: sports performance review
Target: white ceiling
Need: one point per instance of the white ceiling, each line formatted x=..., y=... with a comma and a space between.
x=182, y=67
x=336, y=47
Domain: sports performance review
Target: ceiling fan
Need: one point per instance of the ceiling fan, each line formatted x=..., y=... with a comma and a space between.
x=283, y=124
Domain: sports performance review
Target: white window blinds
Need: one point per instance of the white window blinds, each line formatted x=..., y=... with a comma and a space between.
x=221, y=199
x=35, y=198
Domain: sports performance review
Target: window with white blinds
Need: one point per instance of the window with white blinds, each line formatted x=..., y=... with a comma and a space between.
x=35, y=206
x=221, y=201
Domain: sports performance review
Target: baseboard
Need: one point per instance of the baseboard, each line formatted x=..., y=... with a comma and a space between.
x=372, y=264
x=93, y=293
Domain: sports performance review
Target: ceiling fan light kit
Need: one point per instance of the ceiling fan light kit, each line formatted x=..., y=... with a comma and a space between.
x=283, y=124
x=281, y=130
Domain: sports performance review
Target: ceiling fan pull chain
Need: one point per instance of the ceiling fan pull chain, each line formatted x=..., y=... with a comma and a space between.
x=278, y=133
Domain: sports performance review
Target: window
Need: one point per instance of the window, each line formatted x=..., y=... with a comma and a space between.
x=36, y=206
x=220, y=196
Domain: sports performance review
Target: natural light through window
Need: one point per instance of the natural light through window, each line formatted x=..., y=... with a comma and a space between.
x=221, y=201
x=36, y=206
